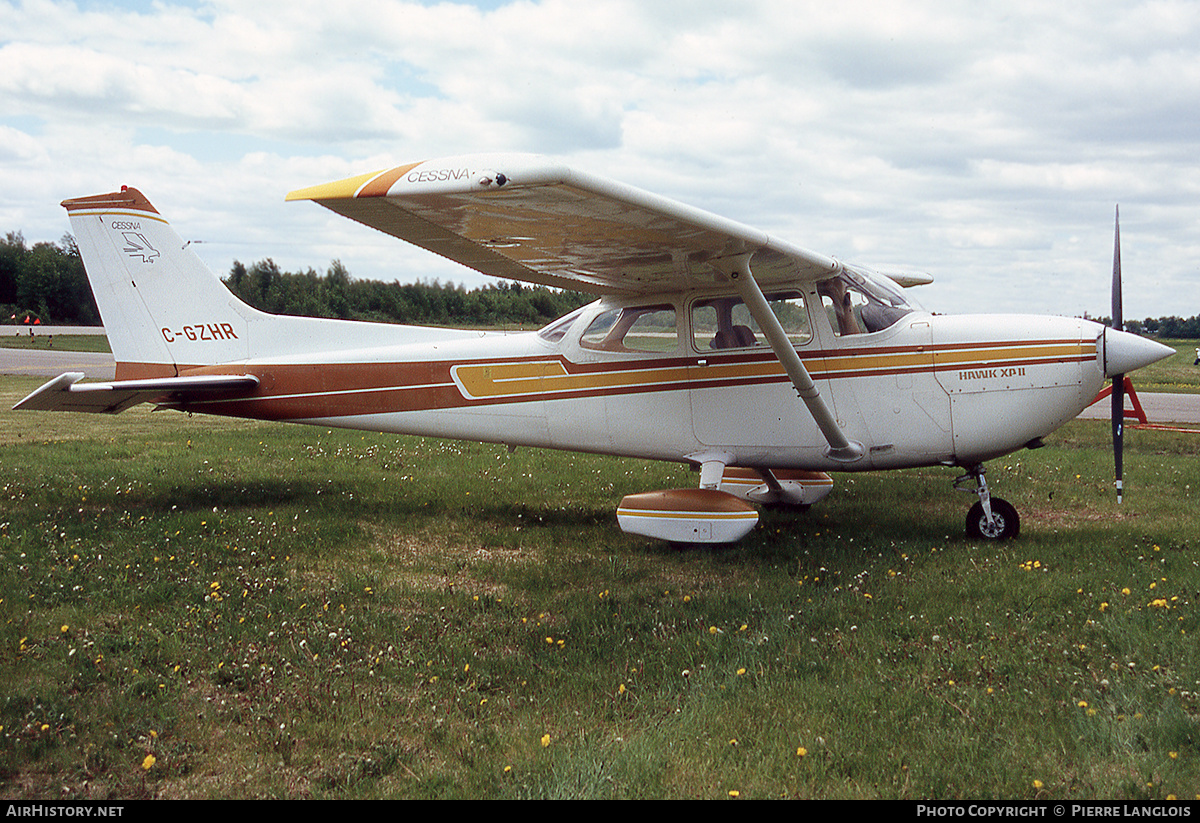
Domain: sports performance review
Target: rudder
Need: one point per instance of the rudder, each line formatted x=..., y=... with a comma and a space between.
x=163, y=310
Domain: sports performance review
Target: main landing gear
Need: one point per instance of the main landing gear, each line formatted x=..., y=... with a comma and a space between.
x=990, y=518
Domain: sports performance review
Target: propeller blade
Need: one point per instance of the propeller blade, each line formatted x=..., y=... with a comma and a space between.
x=1118, y=381
x=1118, y=429
x=1118, y=321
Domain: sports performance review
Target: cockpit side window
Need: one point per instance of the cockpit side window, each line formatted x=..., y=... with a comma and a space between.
x=726, y=323
x=856, y=305
x=633, y=329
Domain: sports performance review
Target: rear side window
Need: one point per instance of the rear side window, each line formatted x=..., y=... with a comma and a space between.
x=633, y=328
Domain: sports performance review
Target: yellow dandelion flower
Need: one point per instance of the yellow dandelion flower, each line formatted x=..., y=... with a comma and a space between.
x=148, y=762
x=1174, y=755
x=1037, y=784
x=741, y=672
x=734, y=793
x=621, y=689
x=801, y=752
x=1082, y=704
x=65, y=628
x=545, y=741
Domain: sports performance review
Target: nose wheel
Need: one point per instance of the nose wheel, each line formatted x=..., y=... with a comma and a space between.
x=990, y=518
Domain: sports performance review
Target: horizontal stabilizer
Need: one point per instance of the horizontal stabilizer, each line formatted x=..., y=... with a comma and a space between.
x=66, y=393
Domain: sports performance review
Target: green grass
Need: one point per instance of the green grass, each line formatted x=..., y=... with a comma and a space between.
x=275, y=611
x=1175, y=374
x=60, y=342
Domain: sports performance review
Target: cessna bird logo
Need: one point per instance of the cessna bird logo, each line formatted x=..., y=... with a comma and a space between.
x=136, y=245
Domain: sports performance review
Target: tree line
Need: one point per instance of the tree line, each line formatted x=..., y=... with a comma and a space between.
x=46, y=282
x=336, y=294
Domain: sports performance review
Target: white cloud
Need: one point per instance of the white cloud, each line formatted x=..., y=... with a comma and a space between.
x=987, y=144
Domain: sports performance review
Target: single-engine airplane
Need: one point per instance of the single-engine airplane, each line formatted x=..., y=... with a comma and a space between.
x=762, y=363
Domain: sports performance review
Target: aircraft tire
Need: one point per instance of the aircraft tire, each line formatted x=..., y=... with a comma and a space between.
x=1008, y=523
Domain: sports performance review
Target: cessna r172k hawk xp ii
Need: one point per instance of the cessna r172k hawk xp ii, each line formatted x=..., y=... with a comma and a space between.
x=760, y=362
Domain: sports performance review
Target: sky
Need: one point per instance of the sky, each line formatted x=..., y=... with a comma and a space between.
x=985, y=143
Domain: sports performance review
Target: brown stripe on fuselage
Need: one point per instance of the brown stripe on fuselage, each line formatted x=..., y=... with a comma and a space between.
x=308, y=391
x=143, y=371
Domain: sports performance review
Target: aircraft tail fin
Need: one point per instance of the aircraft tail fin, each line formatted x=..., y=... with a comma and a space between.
x=162, y=308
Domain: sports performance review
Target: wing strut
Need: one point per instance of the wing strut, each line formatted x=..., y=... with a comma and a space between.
x=840, y=448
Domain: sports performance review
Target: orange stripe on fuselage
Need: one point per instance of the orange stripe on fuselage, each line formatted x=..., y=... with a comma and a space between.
x=307, y=391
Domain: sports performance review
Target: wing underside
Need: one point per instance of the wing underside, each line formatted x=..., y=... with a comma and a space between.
x=521, y=218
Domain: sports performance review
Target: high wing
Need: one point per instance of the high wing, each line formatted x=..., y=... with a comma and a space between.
x=522, y=217
x=65, y=393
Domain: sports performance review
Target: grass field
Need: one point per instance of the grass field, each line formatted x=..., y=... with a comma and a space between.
x=1175, y=374
x=58, y=342
x=195, y=607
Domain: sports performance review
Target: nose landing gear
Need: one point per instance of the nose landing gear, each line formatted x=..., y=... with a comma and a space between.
x=990, y=518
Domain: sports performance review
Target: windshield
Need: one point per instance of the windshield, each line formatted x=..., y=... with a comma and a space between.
x=858, y=303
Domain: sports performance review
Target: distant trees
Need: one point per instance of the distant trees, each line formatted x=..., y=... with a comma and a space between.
x=46, y=282
x=1175, y=328
x=337, y=294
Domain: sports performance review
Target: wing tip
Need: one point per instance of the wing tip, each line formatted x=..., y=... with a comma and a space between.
x=371, y=184
x=335, y=190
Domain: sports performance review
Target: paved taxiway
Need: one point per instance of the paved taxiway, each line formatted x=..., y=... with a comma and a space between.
x=46, y=363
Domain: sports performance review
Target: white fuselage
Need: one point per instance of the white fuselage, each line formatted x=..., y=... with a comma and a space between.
x=926, y=390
